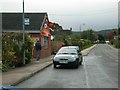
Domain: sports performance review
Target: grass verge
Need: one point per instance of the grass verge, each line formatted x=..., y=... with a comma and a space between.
x=87, y=46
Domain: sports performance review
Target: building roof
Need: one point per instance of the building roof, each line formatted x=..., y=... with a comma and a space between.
x=14, y=22
x=67, y=31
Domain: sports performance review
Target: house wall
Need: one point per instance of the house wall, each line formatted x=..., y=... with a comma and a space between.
x=45, y=38
x=34, y=37
x=12, y=22
x=46, y=49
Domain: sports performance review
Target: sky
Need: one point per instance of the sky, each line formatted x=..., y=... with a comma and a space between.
x=87, y=14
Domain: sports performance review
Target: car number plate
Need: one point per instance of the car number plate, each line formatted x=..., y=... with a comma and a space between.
x=63, y=62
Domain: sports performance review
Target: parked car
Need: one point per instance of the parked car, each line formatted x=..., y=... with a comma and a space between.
x=77, y=48
x=67, y=56
x=10, y=88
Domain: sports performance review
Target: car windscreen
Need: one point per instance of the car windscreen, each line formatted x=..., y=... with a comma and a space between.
x=73, y=47
x=67, y=51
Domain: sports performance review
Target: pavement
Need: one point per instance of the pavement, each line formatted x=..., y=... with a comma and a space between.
x=113, y=48
x=20, y=74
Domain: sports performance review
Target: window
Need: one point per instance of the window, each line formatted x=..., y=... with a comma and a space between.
x=45, y=42
x=26, y=21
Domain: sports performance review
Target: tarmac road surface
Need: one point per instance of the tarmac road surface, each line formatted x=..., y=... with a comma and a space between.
x=101, y=67
x=99, y=70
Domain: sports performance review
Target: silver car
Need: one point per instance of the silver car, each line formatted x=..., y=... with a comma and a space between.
x=67, y=56
x=77, y=48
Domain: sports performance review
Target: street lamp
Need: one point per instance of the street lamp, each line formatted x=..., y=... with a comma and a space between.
x=23, y=35
x=80, y=30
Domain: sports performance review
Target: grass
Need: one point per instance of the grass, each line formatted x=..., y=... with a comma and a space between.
x=87, y=46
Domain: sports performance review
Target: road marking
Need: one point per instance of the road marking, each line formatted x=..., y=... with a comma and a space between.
x=99, y=56
x=86, y=75
x=116, y=60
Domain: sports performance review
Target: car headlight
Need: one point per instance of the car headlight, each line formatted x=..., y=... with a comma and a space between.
x=55, y=58
x=74, y=58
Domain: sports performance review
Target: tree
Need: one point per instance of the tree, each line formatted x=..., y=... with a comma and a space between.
x=101, y=37
x=110, y=36
x=57, y=27
x=89, y=34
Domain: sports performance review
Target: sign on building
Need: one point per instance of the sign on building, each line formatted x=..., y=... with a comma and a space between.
x=27, y=21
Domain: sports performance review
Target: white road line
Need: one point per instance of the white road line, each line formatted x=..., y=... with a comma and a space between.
x=116, y=60
x=86, y=75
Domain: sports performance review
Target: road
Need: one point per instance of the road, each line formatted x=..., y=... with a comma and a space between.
x=99, y=70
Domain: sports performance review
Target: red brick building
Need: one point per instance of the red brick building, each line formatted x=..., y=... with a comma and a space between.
x=45, y=38
x=36, y=24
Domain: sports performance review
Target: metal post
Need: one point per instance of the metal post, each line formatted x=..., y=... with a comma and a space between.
x=87, y=34
x=80, y=31
x=23, y=35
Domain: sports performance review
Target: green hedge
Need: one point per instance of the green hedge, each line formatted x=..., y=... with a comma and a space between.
x=12, y=50
x=117, y=43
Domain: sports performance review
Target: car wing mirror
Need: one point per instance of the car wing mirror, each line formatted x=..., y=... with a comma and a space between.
x=80, y=53
x=54, y=53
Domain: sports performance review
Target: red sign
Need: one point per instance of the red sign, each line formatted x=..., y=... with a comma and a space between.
x=50, y=24
x=46, y=33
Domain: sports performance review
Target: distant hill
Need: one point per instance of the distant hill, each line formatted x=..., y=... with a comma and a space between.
x=103, y=32
x=76, y=32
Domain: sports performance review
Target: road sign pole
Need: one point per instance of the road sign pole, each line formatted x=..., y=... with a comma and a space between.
x=23, y=36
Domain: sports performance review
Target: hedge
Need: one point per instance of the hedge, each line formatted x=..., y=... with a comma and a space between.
x=12, y=50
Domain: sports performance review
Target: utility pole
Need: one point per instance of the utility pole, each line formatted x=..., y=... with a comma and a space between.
x=23, y=35
x=80, y=31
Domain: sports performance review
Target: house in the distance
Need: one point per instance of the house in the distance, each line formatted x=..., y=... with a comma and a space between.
x=36, y=24
x=62, y=31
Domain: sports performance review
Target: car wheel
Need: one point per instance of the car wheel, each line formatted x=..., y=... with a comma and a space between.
x=77, y=65
x=80, y=62
x=55, y=66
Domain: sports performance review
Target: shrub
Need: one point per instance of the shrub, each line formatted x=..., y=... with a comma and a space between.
x=12, y=49
x=55, y=46
x=8, y=57
x=117, y=43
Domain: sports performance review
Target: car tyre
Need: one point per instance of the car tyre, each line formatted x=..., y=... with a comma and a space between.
x=77, y=65
x=81, y=61
x=55, y=66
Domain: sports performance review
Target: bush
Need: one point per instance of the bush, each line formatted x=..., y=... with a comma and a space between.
x=8, y=57
x=12, y=49
x=5, y=67
x=55, y=46
x=71, y=40
x=117, y=43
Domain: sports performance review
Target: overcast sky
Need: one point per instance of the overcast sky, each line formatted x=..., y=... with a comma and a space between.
x=94, y=14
